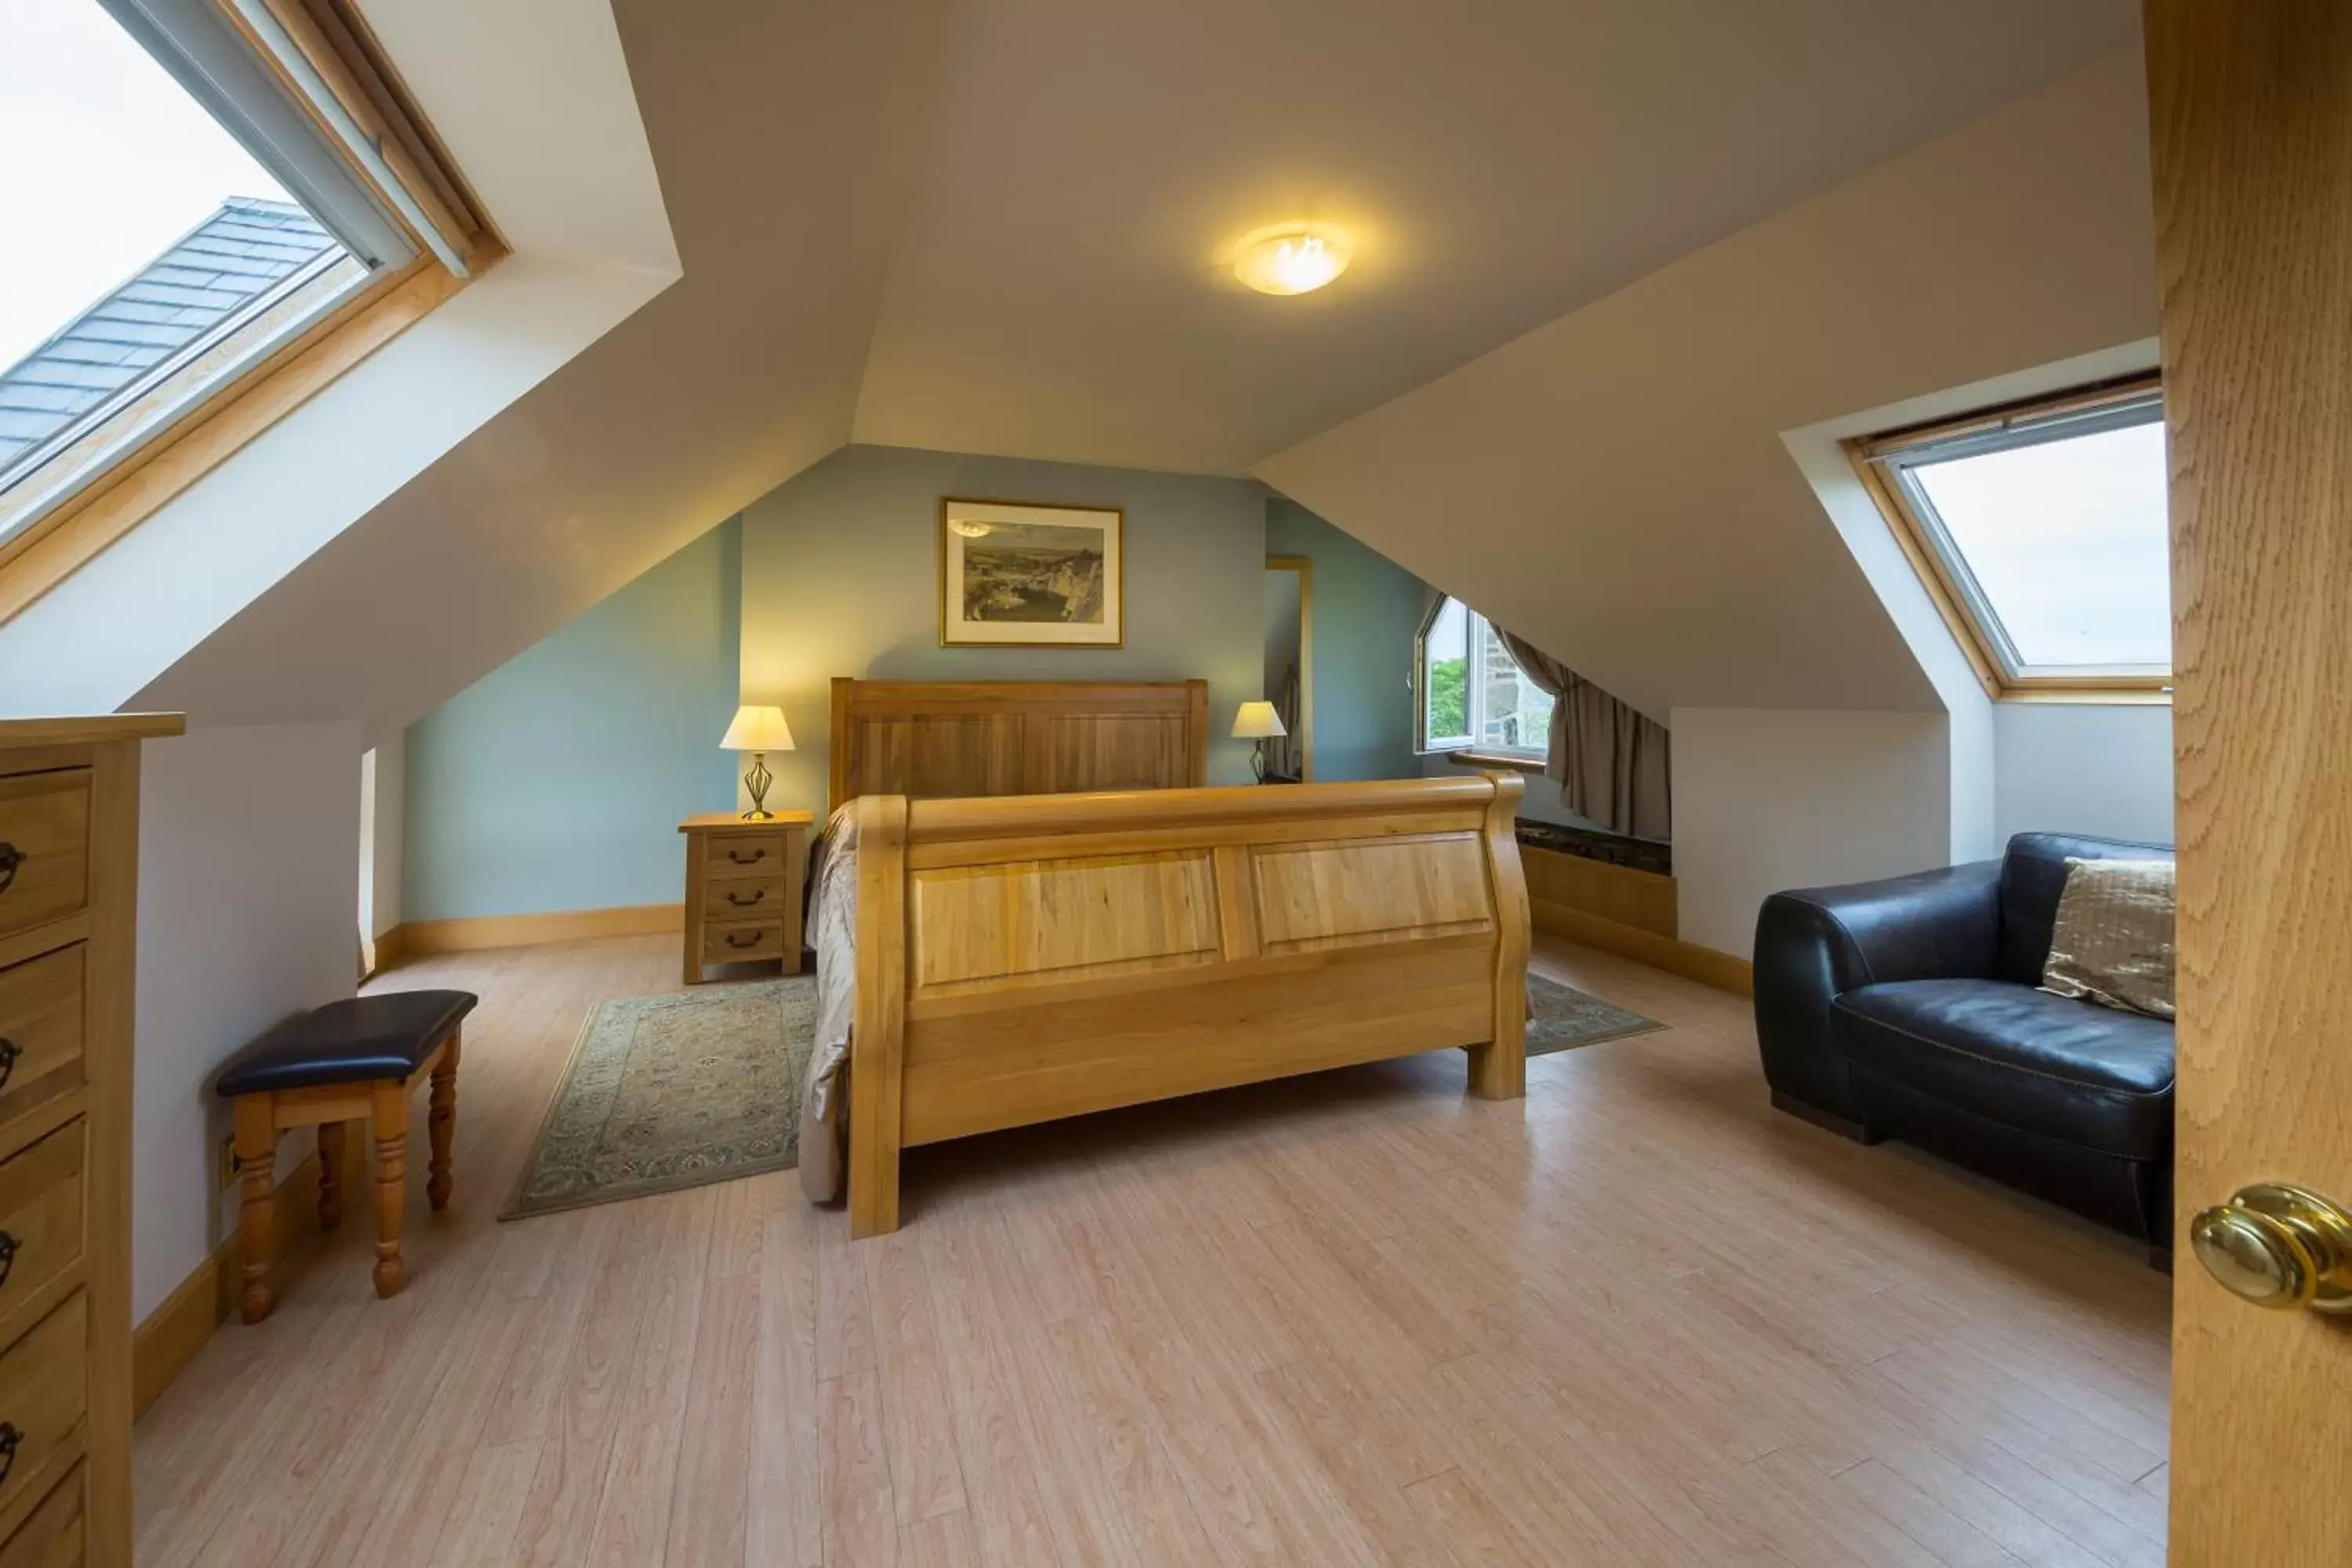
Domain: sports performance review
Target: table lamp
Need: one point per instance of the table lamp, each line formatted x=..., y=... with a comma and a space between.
x=1257, y=722
x=758, y=731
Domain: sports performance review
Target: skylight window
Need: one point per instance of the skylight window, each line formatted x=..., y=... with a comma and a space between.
x=2044, y=531
x=199, y=199
x=149, y=255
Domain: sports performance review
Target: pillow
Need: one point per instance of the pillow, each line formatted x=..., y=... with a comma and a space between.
x=2112, y=944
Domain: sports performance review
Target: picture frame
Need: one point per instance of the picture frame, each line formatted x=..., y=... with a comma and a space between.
x=1025, y=575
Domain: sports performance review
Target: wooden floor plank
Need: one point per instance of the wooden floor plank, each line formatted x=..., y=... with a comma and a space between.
x=1636, y=1318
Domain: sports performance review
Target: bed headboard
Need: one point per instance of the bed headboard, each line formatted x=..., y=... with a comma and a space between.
x=928, y=739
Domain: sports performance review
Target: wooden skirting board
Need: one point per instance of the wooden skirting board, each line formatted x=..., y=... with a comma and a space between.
x=1704, y=964
x=414, y=939
x=1646, y=900
x=168, y=1338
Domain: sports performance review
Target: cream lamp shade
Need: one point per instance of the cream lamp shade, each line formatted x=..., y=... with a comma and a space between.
x=758, y=729
x=1257, y=722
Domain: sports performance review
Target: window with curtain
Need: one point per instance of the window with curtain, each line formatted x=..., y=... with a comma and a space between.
x=1470, y=694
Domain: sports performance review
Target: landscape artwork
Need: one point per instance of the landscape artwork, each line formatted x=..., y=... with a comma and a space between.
x=1013, y=574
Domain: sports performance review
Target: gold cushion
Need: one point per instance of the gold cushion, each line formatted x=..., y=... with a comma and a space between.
x=2114, y=941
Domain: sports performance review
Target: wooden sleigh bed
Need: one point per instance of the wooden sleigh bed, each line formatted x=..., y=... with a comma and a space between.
x=1053, y=917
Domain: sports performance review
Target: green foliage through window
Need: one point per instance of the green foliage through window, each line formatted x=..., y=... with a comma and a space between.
x=1449, y=696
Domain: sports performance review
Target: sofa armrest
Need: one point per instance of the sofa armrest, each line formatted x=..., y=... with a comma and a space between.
x=1815, y=943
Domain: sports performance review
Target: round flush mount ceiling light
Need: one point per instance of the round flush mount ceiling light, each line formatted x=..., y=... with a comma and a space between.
x=970, y=528
x=1293, y=260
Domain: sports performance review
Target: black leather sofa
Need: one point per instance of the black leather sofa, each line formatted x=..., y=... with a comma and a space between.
x=1909, y=1008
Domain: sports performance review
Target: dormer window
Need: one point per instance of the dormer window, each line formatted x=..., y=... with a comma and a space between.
x=1469, y=693
x=2041, y=531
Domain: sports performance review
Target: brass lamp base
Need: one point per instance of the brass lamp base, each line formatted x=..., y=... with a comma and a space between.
x=757, y=781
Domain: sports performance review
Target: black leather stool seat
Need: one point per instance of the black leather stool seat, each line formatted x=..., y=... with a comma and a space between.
x=386, y=1036
x=2087, y=1075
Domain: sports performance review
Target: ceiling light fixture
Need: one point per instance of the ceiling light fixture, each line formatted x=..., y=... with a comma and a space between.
x=1291, y=260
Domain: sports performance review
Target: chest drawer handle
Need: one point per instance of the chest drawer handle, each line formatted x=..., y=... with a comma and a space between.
x=10, y=1438
x=742, y=939
x=9, y=1051
x=739, y=901
x=9, y=1246
x=10, y=859
x=737, y=855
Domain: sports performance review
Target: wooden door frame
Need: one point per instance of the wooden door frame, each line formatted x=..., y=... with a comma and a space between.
x=1304, y=566
x=2250, y=115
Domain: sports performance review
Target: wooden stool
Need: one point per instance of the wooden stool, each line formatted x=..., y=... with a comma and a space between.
x=345, y=1061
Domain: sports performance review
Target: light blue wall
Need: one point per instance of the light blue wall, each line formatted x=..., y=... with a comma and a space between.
x=841, y=577
x=557, y=781
x=1366, y=610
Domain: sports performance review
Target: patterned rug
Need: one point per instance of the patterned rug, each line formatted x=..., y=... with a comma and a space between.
x=664, y=1092
x=1561, y=1019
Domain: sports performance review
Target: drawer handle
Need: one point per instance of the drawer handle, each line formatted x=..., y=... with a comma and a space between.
x=743, y=939
x=10, y=1438
x=10, y=859
x=739, y=901
x=9, y=1246
x=736, y=855
x=9, y=1051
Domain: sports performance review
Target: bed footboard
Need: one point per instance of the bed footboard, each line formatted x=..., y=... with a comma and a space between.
x=1022, y=958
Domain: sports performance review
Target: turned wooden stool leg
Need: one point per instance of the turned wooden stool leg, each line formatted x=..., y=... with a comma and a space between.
x=330, y=1175
x=390, y=1107
x=256, y=1158
x=441, y=1125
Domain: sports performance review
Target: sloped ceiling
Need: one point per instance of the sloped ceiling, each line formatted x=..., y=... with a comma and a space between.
x=1000, y=225
x=1063, y=285
x=1612, y=486
x=783, y=136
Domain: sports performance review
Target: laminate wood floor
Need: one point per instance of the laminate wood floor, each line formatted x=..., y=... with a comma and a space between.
x=1636, y=1319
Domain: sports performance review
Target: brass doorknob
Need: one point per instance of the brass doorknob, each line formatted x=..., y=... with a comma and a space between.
x=2278, y=1245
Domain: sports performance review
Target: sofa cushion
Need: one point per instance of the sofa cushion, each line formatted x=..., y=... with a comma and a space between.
x=2032, y=878
x=2085, y=1075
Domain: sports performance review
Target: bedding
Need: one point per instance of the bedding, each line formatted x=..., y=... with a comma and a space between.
x=832, y=924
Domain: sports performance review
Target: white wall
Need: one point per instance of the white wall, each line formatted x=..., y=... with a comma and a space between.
x=383, y=814
x=1768, y=799
x=2104, y=769
x=248, y=879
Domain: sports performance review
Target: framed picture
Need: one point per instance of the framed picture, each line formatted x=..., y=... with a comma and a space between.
x=1014, y=575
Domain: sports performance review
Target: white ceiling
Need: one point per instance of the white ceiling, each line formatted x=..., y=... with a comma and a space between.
x=1060, y=291
x=1614, y=486
x=996, y=225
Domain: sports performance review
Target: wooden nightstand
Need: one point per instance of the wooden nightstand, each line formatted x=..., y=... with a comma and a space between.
x=743, y=888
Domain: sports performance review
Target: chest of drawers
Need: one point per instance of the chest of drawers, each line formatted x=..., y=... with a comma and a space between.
x=68, y=886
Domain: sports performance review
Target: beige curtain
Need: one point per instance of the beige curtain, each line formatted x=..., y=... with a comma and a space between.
x=1610, y=761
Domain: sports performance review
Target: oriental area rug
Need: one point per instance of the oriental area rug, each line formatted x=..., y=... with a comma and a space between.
x=664, y=1092
x=1561, y=1019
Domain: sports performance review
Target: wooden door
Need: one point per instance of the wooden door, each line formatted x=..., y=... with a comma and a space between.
x=2249, y=106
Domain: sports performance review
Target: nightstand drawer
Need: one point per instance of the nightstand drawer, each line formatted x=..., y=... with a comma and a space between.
x=44, y=848
x=758, y=854
x=740, y=941
x=745, y=898
x=44, y=1401
x=41, y=1216
x=41, y=1031
x=53, y=1537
